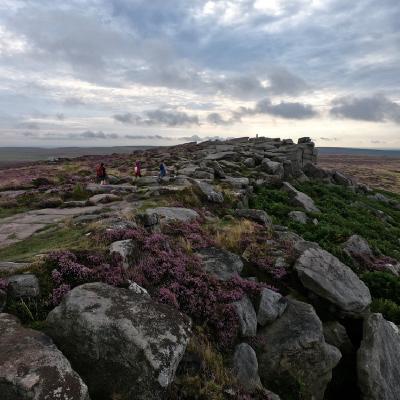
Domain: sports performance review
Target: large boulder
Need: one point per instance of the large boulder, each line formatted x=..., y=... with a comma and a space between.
x=259, y=216
x=336, y=335
x=294, y=360
x=272, y=167
x=326, y=276
x=222, y=263
x=358, y=249
x=122, y=343
x=126, y=249
x=166, y=214
x=245, y=367
x=300, y=199
x=209, y=192
x=272, y=305
x=247, y=316
x=103, y=198
x=31, y=366
x=378, y=364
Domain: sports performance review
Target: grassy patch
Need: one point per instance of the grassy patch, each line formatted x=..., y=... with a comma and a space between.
x=343, y=213
x=63, y=238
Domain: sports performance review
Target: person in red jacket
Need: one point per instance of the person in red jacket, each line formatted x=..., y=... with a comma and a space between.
x=138, y=169
x=101, y=174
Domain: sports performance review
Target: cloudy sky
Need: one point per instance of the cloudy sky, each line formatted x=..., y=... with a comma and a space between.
x=131, y=72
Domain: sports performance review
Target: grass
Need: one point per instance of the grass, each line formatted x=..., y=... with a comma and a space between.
x=343, y=213
x=61, y=238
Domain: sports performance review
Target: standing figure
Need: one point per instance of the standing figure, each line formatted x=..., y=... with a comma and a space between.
x=101, y=174
x=163, y=170
x=138, y=169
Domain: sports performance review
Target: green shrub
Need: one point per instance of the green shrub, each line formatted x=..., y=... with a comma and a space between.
x=389, y=309
x=383, y=285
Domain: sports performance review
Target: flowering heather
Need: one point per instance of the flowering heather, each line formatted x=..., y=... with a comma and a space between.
x=72, y=269
x=191, y=231
x=3, y=284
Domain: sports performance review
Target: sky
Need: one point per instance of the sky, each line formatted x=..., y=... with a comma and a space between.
x=162, y=72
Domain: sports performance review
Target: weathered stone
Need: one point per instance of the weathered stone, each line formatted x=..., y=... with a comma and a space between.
x=97, y=188
x=3, y=299
x=293, y=355
x=218, y=171
x=245, y=367
x=300, y=198
x=247, y=317
x=327, y=277
x=298, y=216
x=222, y=263
x=249, y=162
x=24, y=285
x=259, y=216
x=166, y=214
x=12, y=267
x=273, y=167
x=336, y=335
x=358, y=249
x=123, y=344
x=236, y=182
x=103, y=198
x=272, y=305
x=378, y=360
x=341, y=179
x=209, y=192
x=126, y=250
x=31, y=367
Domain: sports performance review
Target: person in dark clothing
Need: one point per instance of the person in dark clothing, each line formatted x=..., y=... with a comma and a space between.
x=163, y=170
x=101, y=174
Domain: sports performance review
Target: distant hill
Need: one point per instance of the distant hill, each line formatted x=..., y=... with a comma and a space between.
x=22, y=154
x=361, y=152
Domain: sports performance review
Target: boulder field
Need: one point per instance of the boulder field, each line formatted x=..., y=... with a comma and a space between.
x=194, y=286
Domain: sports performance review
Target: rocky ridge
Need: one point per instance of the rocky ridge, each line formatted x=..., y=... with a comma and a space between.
x=175, y=280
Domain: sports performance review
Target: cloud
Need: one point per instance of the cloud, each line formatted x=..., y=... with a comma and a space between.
x=28, y=125
x=158, y=117
x=286, y=110
x=326, y=139
x=60, y=116
x=74, y=101
x=217, y=119
x=377, y=108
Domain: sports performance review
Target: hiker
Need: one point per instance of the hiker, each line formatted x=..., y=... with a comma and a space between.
x=163, y=170
x=101, y=174
x=138, y=169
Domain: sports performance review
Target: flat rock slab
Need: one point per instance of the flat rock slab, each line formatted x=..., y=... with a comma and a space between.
x=21, y=226
x=97, y=188
x=12, y=267
x=31, y=366
x=326, y=276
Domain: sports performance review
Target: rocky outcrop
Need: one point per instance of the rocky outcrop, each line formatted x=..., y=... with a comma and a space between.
x=222, y=263
x=294, y=357
x=122, y=343
x=326, y=276
x=31, y=366
x=103, y=198
x=209, y=192
x=378, y=360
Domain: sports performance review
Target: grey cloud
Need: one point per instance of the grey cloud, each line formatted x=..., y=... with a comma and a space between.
x=287, y=110
x=74, y=101
x=377, y=108
x=28, y=125
x=217, y=119
x=60, y=116
x=158, y=117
